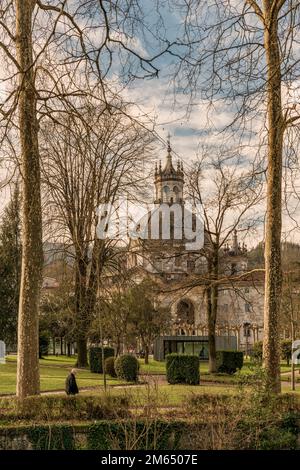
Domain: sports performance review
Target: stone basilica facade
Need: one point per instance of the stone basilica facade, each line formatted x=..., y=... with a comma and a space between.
x=180, y=273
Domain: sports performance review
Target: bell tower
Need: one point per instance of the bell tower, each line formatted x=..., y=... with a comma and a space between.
x=169, y=181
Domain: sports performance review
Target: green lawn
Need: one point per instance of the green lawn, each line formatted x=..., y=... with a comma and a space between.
x=159, y=367
x=53, y=372
x=165, y=395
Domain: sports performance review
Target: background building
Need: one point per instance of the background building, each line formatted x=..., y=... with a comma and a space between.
x=180, y=272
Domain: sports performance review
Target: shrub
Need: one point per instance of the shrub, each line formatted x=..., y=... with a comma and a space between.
x=253, y=419
x=229, y=361
x=109, y=365
x=96, y=358
x=183, y=368
x=53, y=408
x=258, y=351
x=127, y=367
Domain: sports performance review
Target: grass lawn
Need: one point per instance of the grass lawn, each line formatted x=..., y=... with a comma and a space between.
x=54, y=370
x=53, y=374
x=159, y=367
x=164, y=395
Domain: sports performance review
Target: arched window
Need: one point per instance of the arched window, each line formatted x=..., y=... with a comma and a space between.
x=185, y=312
x=166, y=193
x=176, y=194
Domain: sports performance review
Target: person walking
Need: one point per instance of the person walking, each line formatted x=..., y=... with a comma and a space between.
x=71, y=385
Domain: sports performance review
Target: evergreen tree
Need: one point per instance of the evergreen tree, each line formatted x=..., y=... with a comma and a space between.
x=10, y=267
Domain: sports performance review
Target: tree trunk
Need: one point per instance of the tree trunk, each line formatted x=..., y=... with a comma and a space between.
x=146, y=354
x=28, y=381
x=53, y=346
x=81, y=314
x=68, y=349
x=212, y=306
x=82, y=353
x=273, y=270
x=211, y=326
x=61, y=346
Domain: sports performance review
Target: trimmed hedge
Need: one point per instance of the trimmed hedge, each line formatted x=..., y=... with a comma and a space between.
x=127, y=367
x=109, y=366
x=182, y=368
x=229, y=362
x=95, y=354
x=51, y=408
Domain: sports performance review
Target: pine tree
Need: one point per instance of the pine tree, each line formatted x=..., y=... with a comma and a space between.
x=10, y=267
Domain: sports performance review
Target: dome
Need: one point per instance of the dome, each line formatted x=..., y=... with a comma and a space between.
x=172, y=225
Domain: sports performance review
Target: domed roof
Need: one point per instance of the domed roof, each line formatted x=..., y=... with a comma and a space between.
x=170, y=224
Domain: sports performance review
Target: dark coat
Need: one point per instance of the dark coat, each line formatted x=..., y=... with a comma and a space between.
x=71, y=385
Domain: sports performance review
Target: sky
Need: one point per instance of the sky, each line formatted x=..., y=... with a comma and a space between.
x=190, y=129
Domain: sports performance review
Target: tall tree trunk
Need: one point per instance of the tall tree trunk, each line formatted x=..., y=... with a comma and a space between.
x=212, y=308
x=82, y=360
x=146, y=354
x=81, y=314
x=211, y=326
x=273, y=269
x=28, y=382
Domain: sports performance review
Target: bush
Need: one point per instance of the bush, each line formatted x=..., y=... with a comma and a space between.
x=229, y=362
x=258, y=351
x=127, y=367
x=53, y=408
x=98, y=436
x=109, y=365
x=183, y=368
x=96, y=358
x=250, y=420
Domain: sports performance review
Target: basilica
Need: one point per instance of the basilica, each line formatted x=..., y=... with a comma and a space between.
x=163, y=253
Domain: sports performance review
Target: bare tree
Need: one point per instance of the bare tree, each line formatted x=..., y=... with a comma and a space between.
x=38, y=42
x=32, y=251
x=227, y=204
x=244, y=55
x=90, y=161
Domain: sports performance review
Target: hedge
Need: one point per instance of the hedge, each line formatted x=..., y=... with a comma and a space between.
x=50, y=408
x=131, y=435
x=182, y=368
x=95, y=354
x=127, y=368
x=229, y=362
x=100, y=435
x=140, y=435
